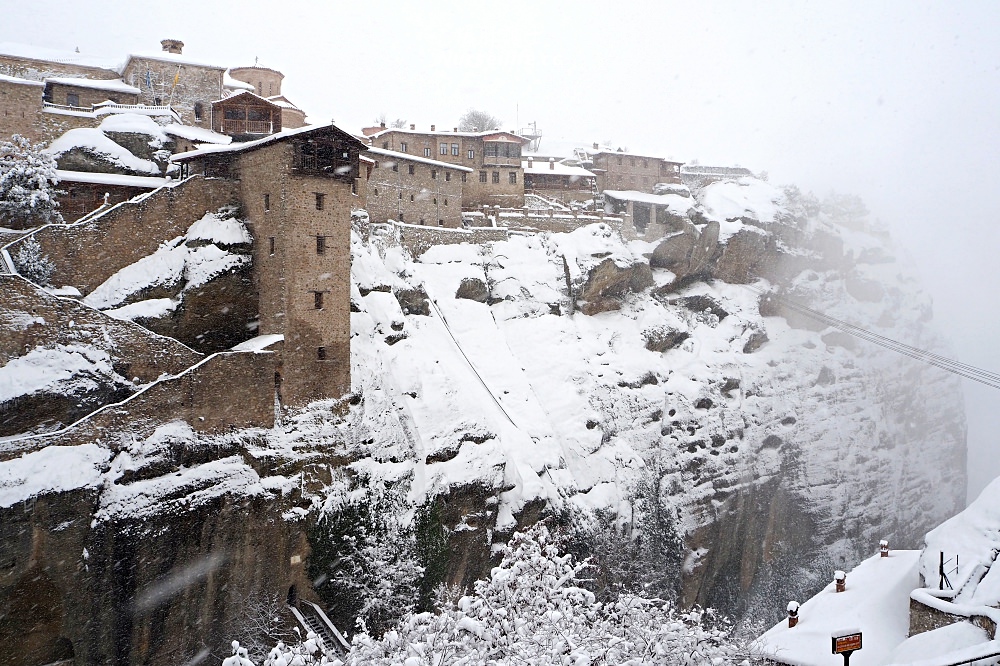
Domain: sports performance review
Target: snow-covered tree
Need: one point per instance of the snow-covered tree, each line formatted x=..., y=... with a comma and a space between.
x=239, y=657
x=31, y=262
x=364, y=556
x=532, y=610
x=27, y=184
x=476, y=120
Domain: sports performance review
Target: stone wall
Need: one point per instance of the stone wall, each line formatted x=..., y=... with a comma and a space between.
x=87, y=96
x=36, y=70
x=633, y=172
x=924, y=618
x=303, y=267
x=20, y=106
x=195, y=85
x=418, y=239
x=420, y=197
x=87, y=254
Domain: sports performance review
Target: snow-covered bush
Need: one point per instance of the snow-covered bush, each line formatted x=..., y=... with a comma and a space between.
x=533, y=610
x=32, y=263
x=364, y=556
x=27, y=184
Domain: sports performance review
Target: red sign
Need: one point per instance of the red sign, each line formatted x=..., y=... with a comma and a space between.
x=846, y=643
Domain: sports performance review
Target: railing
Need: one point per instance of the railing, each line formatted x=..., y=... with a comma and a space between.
x=247, y=126
x=104, y=109
x=501, y=161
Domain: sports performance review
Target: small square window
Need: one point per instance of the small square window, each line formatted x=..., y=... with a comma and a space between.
x=320, y=353
x=376, y=191
x=482, y=176
x=403, y=147
x=318, y=300
x=385, y=145
x=411, y=197
x=446, y=202
x=435, y=201
x=434, y=173
x=443, y=148
x=320, y=244
x=267, y=202
x=447, y=175
x=319, y=200
x=496, y=177
x=72, y=99
x=440, y=223
x=454, y=149
x=472, y=154
x=270, y=246
x=395, y=166
x=512, y=176
x=427, y=152
x=409, y=169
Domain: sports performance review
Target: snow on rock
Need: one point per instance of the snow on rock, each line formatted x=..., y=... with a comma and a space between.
x=951, y=644
x=95, y=141
x=63, y=369
x=135, y=123
x=221, y=229
x=149, y=309
x=876, y=602
x=746, y=197
x=183, y=263
x=54, y=469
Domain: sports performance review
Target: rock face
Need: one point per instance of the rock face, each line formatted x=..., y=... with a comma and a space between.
x=695, y=386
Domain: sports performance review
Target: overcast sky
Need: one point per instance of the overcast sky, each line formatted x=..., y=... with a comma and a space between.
x=897, y=102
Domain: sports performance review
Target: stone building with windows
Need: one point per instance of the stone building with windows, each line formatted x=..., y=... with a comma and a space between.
x=557, y=180
x=497, y=177
x=416, y=190
x=620, y=170
x=297, y=190
x=168, y=78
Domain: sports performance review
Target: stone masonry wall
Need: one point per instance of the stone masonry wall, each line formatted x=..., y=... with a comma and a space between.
x=316, y=356
x=85, y=255
x=20, y=106
x=88, y=96
x=195, y=84
x=418, y=239
x=36, y=70
x=417, y=198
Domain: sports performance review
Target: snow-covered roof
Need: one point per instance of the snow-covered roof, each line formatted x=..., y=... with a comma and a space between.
x=876, y=601
x=438, y=132
x=604, y=150
x=94, y=140
x=674, y=202
x=244, y=93
x=134, y=123
x=114, y=85
x=14, y=79
x=283, y=102
x=555, y=169
x=165, y=56
x=229, y=82
x=259, y=343
x=698, y=170
x=110, y=179
x=198, y=134
x=32, y=52
x=392, y=154
x=248, y=145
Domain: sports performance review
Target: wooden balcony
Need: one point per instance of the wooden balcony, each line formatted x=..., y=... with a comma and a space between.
x=247, y=126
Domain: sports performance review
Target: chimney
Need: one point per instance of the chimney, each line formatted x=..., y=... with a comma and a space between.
x=840, y=578
x=433, y=128
x=793, y=613
x=596, y=146
x=552, y=164
x=172, y=45
x=412, y=126
x=883, y=548
x=382, y=124
x=456, y=129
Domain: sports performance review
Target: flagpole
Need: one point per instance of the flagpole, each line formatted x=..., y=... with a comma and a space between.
x=176, y=76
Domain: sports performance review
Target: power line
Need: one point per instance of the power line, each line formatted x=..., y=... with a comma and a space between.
x=965, y=370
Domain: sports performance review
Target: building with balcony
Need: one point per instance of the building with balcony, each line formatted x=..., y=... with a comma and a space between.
x=497, y=177
x=621, y=170
x=245, y=116
x=557, y=180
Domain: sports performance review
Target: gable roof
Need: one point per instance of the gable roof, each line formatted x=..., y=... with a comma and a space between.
x=414, y=158
x=441, y=133
x=273, y=138
x=113, y=85
x=244, y=93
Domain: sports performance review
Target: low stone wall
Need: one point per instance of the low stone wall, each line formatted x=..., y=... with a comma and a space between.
x=418, y=239
x=88, y=253
x=924, y=618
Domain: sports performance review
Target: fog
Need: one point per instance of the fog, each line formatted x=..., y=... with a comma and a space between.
x=895, y=102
